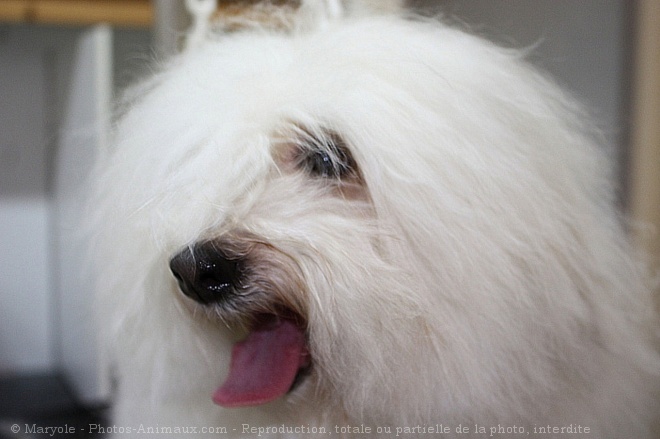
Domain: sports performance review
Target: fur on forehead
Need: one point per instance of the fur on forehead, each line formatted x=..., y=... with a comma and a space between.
x=218, y=110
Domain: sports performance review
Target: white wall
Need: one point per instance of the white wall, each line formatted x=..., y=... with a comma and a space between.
x=26, y=340
x=43, y=146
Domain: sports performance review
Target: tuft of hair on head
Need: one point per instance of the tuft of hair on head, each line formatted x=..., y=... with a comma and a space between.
x=371, y=7
x=288, y=15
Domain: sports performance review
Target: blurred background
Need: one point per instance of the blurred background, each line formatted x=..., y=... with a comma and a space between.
x=63, y=61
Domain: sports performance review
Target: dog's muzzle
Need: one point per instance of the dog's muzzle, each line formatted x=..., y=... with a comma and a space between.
x=274, y=356
x=205, y=273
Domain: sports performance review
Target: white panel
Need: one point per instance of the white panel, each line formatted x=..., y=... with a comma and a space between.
x=84, y=128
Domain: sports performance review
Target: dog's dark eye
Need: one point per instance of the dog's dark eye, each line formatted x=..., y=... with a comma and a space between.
x=320, y=164
x=328, y=158
x=327, y=164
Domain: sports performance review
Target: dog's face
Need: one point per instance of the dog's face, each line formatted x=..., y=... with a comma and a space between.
x=255, y=187
x=377, y=209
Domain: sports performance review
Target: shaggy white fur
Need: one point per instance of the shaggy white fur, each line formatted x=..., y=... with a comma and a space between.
x=432, y=214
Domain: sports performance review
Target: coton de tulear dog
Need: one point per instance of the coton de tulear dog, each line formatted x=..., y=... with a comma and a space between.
x=366, y=226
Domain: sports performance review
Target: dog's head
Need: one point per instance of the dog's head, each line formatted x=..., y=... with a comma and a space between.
x=356, y=201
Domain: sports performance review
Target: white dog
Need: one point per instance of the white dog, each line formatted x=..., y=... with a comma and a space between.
x=367, y=227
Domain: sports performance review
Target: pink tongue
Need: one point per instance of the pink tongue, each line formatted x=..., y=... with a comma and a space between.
x=264, y=365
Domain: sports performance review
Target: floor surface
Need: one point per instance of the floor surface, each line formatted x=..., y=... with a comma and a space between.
x=40, y=406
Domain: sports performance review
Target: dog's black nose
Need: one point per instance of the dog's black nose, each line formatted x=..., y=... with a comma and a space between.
x=204, y=273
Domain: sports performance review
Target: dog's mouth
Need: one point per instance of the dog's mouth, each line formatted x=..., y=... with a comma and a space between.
x=267, y=364
x=274, y=356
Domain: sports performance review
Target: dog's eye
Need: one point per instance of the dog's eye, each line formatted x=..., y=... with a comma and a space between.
x=320, y=164
x=328, y=158
x=326, y=164
x=319, y=153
